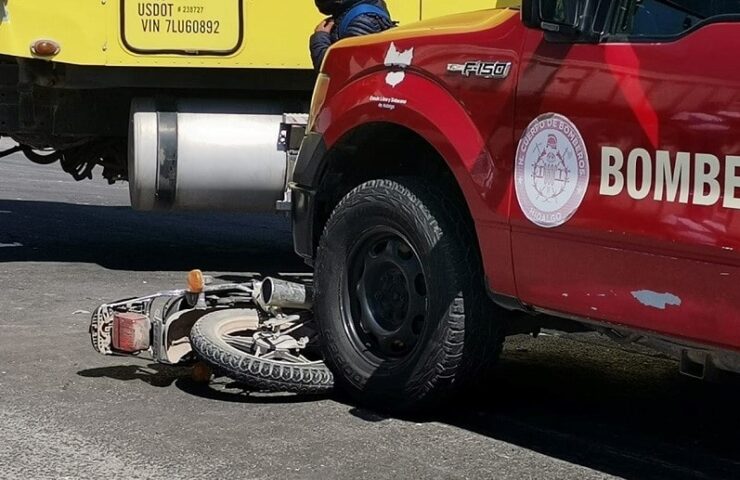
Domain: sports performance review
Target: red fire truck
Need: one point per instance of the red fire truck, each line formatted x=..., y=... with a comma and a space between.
x=575, y=160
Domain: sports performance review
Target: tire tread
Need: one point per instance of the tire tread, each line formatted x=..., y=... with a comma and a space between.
x=470, y=343
x=265, y=375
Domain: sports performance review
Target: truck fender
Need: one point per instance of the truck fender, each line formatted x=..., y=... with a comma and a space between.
x=428, y=109
x=423, y=107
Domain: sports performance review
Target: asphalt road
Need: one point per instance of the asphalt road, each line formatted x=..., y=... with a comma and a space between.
x=560, y=407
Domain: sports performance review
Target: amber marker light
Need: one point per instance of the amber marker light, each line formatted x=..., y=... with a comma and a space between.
x=45, y=48
x=196, y=281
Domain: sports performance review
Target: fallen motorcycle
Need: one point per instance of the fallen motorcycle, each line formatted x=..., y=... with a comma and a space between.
x=259, y=333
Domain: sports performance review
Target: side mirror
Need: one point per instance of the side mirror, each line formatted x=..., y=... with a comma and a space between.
x=557, y=16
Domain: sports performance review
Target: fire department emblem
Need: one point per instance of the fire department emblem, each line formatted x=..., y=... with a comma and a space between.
x=552, y=170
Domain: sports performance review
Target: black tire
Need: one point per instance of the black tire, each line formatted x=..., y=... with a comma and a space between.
x=208, y=342
x=460, y=336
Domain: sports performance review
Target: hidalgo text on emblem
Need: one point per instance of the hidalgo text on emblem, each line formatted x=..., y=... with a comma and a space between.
x=552, y=171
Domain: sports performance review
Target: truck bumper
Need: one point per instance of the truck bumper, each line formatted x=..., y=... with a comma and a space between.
x=306, y=178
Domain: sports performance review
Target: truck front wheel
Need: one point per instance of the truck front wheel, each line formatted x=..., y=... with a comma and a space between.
x=400, y=300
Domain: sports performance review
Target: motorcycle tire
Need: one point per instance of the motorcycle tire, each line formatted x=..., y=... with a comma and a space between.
x=208, y=340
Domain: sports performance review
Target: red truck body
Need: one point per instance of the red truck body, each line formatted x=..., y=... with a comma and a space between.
x=602, y=177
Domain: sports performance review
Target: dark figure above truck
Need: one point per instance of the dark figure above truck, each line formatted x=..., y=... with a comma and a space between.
x=347, y=18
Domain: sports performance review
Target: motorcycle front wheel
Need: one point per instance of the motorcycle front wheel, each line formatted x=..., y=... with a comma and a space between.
x=224, y=340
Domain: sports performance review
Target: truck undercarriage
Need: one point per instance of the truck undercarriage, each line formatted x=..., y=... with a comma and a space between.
x=80, y=115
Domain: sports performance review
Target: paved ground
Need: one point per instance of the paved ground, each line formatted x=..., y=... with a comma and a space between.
x=560, y=408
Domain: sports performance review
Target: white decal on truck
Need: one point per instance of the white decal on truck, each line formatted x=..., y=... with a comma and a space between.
x=397, y=58
x=552, y=171
x=677, y=178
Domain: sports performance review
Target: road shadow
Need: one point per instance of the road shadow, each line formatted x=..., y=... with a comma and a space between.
x=152, y=374
x=621, y=413
x=120, y=238
x=220, y=389
x=225, y=390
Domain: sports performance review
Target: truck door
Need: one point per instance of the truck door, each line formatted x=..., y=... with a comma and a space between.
x=627, y=170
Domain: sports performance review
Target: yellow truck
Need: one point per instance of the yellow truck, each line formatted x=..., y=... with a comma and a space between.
x=197, y=103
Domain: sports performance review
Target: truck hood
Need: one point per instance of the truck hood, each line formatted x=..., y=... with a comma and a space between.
x=449, y=25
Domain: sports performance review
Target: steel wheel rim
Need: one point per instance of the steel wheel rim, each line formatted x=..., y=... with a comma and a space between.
x=385, y=298
x=237, y=335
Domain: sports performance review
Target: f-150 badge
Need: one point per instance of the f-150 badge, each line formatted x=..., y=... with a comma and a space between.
x=552, y=171
x=492, y=70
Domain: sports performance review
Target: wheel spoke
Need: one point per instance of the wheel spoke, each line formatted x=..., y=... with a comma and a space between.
x=245, y=344
x=285, y=356
x=289, y=357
